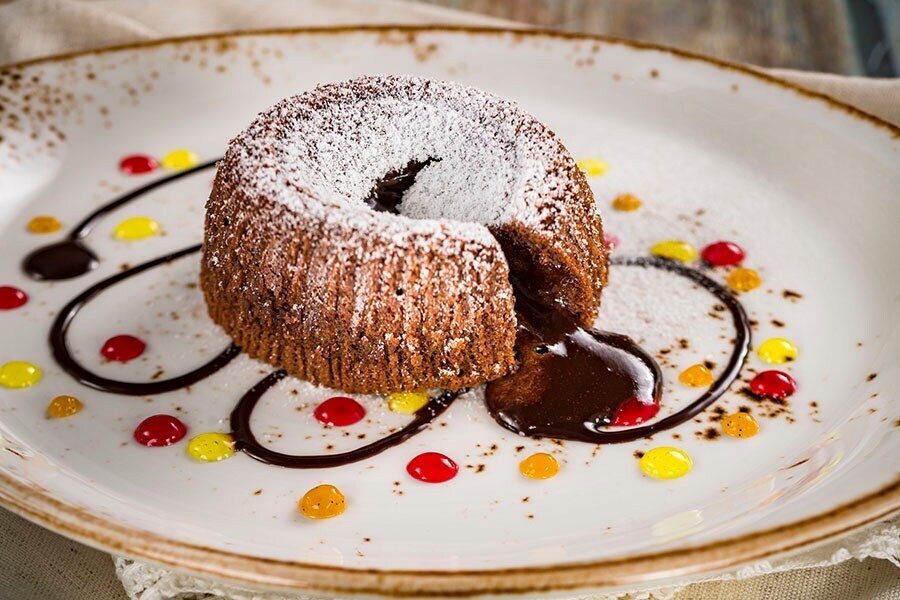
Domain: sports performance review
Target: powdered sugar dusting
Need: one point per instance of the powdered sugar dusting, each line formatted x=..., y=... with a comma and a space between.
x=326, y=148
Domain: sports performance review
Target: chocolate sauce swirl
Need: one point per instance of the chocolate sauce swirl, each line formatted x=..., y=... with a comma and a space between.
x=63, y=357
x=71, y=257
x=245, y=440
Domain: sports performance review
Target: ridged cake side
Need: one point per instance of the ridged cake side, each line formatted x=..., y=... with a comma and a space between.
x=359, y=313
x=303, y=275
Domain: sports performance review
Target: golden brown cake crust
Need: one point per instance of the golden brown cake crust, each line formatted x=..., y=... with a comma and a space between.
x=302, y=275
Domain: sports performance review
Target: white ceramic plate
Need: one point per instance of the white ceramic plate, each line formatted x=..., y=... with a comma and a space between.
x=808, y=187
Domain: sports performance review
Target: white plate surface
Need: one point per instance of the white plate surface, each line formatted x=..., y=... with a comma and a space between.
x=810, y=191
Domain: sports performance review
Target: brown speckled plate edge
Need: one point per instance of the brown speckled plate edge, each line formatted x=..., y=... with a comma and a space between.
x=38, y=505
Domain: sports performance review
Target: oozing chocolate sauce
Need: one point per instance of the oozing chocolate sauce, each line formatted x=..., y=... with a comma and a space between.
x=577, y=378
x=388, y=191
x=64, y=358
x=573, y=388
x=245, y=440
x=71, y=257
x=549, y=322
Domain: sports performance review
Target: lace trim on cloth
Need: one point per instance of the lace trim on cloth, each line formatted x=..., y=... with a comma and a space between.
x=146, y=582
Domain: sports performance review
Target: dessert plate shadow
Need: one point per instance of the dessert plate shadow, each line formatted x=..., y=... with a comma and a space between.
x=805, y=185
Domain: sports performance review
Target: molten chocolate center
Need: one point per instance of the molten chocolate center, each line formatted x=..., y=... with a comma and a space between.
x=388, y=192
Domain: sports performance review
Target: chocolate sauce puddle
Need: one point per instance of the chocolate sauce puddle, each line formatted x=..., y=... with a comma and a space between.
x=572, y=388
x=71, y=257
x=247, y=442
x=63, y=357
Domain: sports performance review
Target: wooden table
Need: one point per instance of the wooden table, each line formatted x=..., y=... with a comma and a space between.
x=850, y=37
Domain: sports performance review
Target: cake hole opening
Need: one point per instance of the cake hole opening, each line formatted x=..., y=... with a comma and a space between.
x=387, y=194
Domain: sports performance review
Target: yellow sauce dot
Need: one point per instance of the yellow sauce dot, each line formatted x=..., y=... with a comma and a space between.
x=407, y=403
x=626, y=202
x=743, y=280
x=179, y=160
x=44, y=224
x=322, y=502
x=696, y=376
x=777, y=351
x=539, y=466
x=64, y=406
x=740, y=425
x=211, y=447
x=19, y=374
x=666, y=462
x=593, y=167
x=675, y=250
x=136, y=228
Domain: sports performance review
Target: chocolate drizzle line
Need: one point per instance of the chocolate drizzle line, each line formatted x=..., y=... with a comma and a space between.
x=64, y=358
x=71, y=257
x=555, y=404
x=246, y=442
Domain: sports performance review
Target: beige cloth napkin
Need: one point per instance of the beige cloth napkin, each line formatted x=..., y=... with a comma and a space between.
x=38, y=565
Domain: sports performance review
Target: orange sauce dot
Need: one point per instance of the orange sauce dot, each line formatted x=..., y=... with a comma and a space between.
x=743, y=280
x=740, y=425
x=539, y=466
x=44, y=224
x=322, y=502
x=696, y=376
x=64, y=406
x=626, y=202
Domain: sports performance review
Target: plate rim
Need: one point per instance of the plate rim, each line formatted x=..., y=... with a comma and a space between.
x=37, y=504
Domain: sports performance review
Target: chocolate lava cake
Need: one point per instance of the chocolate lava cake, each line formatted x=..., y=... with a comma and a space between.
x=364, y=235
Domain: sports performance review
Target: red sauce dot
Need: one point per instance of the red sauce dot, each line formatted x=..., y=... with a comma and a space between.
x=432, y=467
x=340, y=411
x=11, y=297
x=635, y=411
x=723, y=254
x=136, y=164
x=773, y=384
x=611, y=241
x=122, y=348
x=160, y=430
